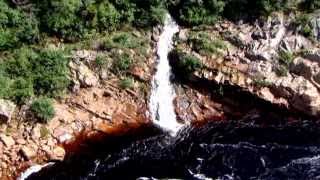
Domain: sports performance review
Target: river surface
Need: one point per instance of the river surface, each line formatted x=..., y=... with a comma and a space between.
x=229, y=150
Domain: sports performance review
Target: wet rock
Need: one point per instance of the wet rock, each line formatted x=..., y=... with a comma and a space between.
x=6, y=110
x=7, y=140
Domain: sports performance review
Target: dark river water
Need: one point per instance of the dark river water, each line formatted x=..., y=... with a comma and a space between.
x=228, y=150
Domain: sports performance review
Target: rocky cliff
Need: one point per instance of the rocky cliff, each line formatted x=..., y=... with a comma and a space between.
x=269, y=59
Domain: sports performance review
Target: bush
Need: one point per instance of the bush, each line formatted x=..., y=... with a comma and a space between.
x=7, y=39
x=50, y=73
x=126, y=83
x=123, y=40
x=202, y=43
x=43, y=109
x=121, y=62
x=286, y=58
x=16, y=27
x=100, y=61
x=302, y=22
x=28, y=72
x=60, y=17
x=21, y=90
x=108, y=16
x=282, y=70
x=183, y=62
x=199, y=12
x=260, y=82
x=310, y=5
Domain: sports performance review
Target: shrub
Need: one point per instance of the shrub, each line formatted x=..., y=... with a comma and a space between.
x=108, y=16
x=60, y=17
x=260, y=82
x=4, y=86
x=286, y=57
x=183, y=62
x=43, y=109
x=310, y=5
x=100, y=61
x=50, y=73
x=199, y=12
x=21, y=90
x=122, y=62
x=123, y=40
x=302, y=22
x=43, y=73
x=202, y=43
x=126, y=83
x=282, y=70
x=7, y=39
x=16, y=27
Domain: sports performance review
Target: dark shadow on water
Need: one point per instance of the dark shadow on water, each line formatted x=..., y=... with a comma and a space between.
x=215, y=150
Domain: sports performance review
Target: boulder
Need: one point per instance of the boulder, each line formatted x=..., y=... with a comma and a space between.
x=6, y=110
x=7, y=140
x=58, y=153
x=81, y=74
x=28, y=153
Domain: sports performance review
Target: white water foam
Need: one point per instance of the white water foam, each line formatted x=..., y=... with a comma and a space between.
x=162, y=93
x=31, y=170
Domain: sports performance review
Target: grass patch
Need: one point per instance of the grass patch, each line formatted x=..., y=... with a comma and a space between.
x=202, y=43
x=124, y=40
x=126, y=83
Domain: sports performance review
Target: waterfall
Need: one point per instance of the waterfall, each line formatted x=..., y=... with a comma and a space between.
x=162, y=94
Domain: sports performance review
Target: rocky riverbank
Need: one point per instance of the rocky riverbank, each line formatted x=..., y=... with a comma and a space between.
x=100, y=101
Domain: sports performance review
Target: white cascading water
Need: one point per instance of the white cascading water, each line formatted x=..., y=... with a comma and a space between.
x=162, y=93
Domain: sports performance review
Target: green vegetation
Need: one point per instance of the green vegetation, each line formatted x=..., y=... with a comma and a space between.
x=126, y=83
x=260, y=82
x=286, y=58
x=29, y=72
x=302, y=22
x=72, y=20
x=282, y=70
x=122, y=62
x=310, y=5
x=122, y=40
x=202, y=43
x=191, y=12
x=185, y=63
x=100, y=61
x=43, y=109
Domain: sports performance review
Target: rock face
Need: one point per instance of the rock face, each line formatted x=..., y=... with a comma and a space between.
x=81, y=74
x=6, y=110
x=267, y=59
x=7, y=140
